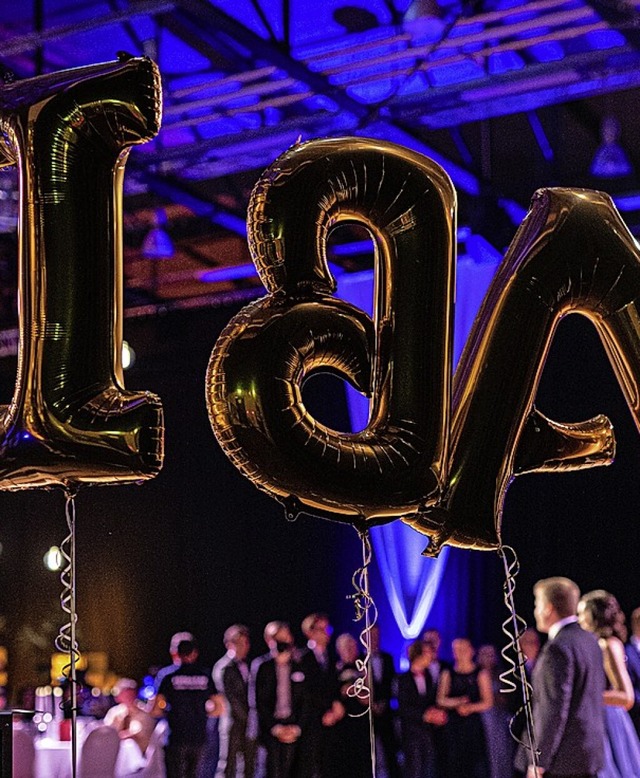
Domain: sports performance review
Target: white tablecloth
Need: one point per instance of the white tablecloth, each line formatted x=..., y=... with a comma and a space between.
x=53, y=758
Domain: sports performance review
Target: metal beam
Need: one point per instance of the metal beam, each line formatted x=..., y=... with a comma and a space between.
x=33, y=40
x=366, y=116
x=221, y=55
x=208, y=18
x=179, y=192
x=536, y=86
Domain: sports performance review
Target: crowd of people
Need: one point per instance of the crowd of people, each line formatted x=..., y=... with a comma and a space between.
x=303, y=712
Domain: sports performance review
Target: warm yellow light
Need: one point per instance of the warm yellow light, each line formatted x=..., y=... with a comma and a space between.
x=53, y=559
x=128, y=355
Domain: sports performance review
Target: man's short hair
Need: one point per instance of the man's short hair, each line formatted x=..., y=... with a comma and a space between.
x=232, y=633
x=124, y=683
x=561, y=593
x=272, y=629
x=415, y=650
x=177, y=639
x=635, y=620
x=186, y=648
x=310, y=622
x=432, y=637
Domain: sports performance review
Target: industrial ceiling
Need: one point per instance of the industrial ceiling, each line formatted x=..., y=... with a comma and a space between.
x=506, y=96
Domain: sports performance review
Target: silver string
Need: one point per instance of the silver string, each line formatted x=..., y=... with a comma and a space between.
x=66, y=641
x=365, y=607
x=513, y=627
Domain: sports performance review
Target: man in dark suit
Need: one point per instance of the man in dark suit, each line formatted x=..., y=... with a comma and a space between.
x=279, y=693
x=632, y=650
x=420, y=718
x=568, y=684
x=433, y=639
x=231, y=677
x=324, y=707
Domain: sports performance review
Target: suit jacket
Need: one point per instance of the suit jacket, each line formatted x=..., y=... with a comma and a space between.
x=383, y=686
x=229, y=681
x=266, y=689
x=633, y=666
x=412, y=705
x=323, y=685
x=568, y=708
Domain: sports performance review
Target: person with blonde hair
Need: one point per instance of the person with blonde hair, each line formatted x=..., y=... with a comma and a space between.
x=568, y=684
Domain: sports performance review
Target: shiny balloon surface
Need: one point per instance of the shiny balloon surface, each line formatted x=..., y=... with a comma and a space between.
x=572, y=254
x=401, y=359
x=446, y=474
x=70, y=421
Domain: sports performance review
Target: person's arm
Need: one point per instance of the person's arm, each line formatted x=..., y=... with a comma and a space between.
x=233, y=690
x=159, y=706
x=621, y=692
x=486, y=696
x=444, y=687
x=633, y=668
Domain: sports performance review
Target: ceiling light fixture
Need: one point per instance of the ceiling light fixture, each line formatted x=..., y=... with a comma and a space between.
x=157, y=243
x=610, y=160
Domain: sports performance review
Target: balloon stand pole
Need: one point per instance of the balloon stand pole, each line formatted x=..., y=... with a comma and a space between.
x=516, y=676
x=66, y=641
x=365, y=607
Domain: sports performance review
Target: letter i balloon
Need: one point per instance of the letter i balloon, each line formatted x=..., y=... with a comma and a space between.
x=71, y=422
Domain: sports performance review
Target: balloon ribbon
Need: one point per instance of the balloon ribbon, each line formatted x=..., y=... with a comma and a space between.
x=365, y=607
x=513, y=627
x=66, y=641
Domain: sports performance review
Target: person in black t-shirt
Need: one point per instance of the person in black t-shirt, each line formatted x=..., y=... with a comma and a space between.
x=186, y=697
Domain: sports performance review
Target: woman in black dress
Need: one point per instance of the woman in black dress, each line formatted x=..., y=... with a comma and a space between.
x=465, y=691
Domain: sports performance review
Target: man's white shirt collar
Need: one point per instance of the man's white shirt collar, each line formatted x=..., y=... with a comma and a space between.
x=558, y=625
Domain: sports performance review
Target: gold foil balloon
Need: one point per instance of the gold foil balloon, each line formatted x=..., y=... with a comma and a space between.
x=402, y=360
x=572, y=254
x=70, y=421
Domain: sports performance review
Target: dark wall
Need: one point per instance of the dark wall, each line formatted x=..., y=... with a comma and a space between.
x=583, y=525
x=196, y=548
x=199, y=547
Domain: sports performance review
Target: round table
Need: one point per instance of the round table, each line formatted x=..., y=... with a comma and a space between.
x=53, y=758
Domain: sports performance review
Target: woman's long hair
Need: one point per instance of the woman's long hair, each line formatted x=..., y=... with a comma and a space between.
x=606, y=614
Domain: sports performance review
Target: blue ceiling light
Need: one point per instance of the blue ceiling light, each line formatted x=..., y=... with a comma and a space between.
x=219, y=275
x=629, y=202
x=157, y=243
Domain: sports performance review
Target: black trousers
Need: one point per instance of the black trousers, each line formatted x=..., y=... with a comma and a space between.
x=183, y=759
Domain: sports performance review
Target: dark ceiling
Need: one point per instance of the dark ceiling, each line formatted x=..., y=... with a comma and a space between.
x=507, y=96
